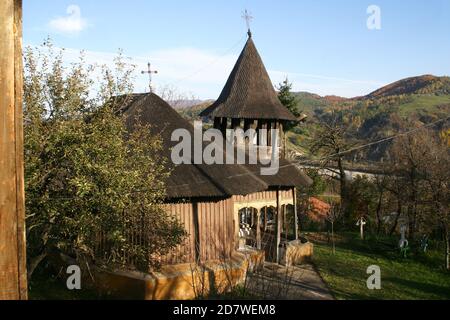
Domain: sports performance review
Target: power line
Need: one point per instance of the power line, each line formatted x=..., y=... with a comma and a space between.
x=209, y=64
x=384, y=139
x=356, y=148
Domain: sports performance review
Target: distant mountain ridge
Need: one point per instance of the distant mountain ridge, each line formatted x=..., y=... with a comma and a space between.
x=396, y=107
x=426, y=84
x=187, y=103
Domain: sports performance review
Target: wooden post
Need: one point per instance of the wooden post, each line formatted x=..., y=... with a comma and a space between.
x=265, y=219
x=235, y=123
x=223, y=127
x=269, y=135
x=282, y=140
x=217, y=123
x=285, y=221
x=263, y=134
x=279, y=224
x=258, y=229
x=294, y=197
x=13, y=277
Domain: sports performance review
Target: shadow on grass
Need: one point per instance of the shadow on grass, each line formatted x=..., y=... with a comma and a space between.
x=443, y=291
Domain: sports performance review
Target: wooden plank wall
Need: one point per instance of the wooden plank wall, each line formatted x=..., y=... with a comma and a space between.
x=214, y=236
x=215, y=221
x=185, y=252
x=13, y=280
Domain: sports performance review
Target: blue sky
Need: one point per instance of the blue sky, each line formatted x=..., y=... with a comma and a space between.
x=324, y=46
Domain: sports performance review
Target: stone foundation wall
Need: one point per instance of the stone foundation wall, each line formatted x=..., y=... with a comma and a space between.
x=181, y=282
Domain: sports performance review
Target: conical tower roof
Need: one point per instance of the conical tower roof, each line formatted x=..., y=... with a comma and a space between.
x=249, y=93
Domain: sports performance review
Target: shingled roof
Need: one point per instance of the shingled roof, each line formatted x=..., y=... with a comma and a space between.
x=186, y=180
x=200, y=180
x=249, y=93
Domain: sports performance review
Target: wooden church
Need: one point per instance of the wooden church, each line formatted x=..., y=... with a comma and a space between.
x=227, y=209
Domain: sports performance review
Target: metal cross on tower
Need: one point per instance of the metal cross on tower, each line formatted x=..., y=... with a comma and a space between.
x=149, y=72
x=248, y=18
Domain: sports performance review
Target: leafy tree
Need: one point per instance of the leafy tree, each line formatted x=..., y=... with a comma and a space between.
x=91, y=186
x=366, y=199
x=289, y=100
x=317, y=187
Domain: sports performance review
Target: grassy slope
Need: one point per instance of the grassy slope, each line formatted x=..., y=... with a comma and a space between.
x=420, y=276
x=424, y=103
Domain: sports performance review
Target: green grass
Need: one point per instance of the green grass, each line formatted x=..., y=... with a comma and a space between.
x=50, y=288
x=425, y=103
x=419, y=276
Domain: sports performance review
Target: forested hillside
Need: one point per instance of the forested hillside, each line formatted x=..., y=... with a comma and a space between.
x=395, y=108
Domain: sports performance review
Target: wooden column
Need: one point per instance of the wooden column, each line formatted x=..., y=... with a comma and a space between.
x=13, y=277
x=279, y=224
x=285, y=221
x=217, y=123
x=223, y=126
x=235, y=123
x=258, y=229
x=247, y=124
x=282, y=140
x=263, y=126
x=294, y=197
x=265, y=219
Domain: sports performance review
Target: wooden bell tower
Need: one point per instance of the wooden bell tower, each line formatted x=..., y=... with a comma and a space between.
x=249, y=101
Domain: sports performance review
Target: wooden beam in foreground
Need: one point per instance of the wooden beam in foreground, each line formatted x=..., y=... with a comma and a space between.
x=13, y=278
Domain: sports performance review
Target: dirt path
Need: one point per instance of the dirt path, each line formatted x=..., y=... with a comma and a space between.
x=288, y=283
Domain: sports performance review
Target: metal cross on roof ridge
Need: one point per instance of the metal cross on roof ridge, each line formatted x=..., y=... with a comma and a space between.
x=150, y=72
x=248, y=18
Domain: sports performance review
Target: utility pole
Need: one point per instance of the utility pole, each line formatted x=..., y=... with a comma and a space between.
x=149, y=71
x=13, y=275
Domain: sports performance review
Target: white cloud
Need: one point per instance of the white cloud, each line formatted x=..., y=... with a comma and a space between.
x=200, y=72
x=71, y=24
x=190, y=71
x=326, y=85
x=203, y=73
